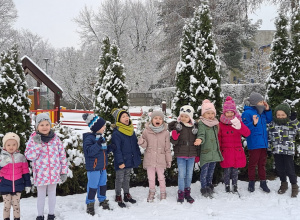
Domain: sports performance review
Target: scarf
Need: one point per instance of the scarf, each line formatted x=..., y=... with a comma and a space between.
x=157, y=129
x=47, y=138
x=208, y=122
x=125, y=129
x=281, y=121
x=260, y=108
x=227, y=120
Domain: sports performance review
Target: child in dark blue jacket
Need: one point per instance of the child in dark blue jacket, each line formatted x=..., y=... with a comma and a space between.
x=127, y=154
x=95, y=153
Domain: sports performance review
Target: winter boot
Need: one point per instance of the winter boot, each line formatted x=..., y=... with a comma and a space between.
x=6, y=219
x=251, y=186
x=52, y=217
x=128, y=198
x=263, y=185
x=104, y=204
x=187, y=195
x=204, y=192
x=90, y=209
x=227, y=188
x=40, y=218
x=235, y=188
x=16, y=218
x=180, y=196
x=151, y=195
x=211, y=186
x=163, y=195
x=295, y=190
x=283, y=188
x=120, y=202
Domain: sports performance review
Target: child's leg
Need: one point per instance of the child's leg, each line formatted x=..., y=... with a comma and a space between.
x=101, y=192
x=262, y=164
x=16, y=204
x=92, y=186
x=253, y=161
x=203, y=175
x=210, y=173
x=189, y=172
x=126, y=182
x=234, y=175
x=51, y=198
x=227, y=172
x=151, y=177
x=161, y=179
x=41, y=197
x=280, y=167
x=290, y=168
x=119, y=181
x=181, y=163
x=6, y=205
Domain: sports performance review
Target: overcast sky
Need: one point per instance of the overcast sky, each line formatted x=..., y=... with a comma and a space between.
x=53, y=19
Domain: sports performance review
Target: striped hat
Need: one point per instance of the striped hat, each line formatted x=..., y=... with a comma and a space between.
x=94, y=122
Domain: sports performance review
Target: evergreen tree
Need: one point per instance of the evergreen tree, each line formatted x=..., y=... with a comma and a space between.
x=14, y=101
x=280, y=82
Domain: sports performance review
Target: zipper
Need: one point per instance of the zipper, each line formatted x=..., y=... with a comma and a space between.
x=49, y=164
x=13, y=180
x=104, y=160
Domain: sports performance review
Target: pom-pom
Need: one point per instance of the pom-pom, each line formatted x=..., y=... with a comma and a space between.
x=85, y=115
x=228, y=98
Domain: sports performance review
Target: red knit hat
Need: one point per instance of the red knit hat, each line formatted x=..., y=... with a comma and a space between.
x=229, y=105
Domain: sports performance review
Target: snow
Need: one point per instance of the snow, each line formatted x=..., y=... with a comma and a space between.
x=224, y=206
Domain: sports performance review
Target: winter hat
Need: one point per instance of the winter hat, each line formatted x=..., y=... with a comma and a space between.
x=117, y=113
x=11, y=136
x=188, y=110
x=207, y=106
x=157, y=113
x=42, y=117
x=255, y=98
x=283, y=107
x=94, y=122
x=229, y=105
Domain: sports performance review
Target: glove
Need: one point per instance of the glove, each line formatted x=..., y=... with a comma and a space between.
x=63, y=178
x=197, y=159
x=37, y=139
x=175, y=135
x=236, y=123
x=168, y=164
x=27, y=189
x=100, y=140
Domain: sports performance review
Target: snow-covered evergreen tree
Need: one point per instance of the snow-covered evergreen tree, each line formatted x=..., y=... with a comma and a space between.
x=198, y=69
x=14, y=101
x=280, y=82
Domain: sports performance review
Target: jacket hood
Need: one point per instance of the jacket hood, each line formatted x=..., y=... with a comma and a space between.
x=88, y=134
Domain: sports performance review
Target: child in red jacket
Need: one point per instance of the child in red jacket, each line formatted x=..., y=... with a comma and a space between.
x=230, y=132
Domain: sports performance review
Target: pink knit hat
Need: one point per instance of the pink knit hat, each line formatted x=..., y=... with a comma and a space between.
x=229, y=105
x=207, y=106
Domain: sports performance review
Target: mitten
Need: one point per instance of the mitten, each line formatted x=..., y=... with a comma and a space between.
x=236, y=123
x=37, y=139
x=175, y=135
x=168, y=164
x=63, y=178
x=197, y=159
x=27, y=189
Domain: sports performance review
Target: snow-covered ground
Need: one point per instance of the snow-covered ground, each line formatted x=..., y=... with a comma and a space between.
x=223, y=206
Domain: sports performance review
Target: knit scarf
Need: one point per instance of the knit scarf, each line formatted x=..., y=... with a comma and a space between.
x=227, y=120
x=46, y=138
x=157, y=129
x=125, y=129
x=208, y=122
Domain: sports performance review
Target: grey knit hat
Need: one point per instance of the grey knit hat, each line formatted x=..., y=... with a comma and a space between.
x=42, y=117
x=157, y=113
x=255, y=98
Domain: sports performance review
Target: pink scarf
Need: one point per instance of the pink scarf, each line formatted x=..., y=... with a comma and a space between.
x=208, y=122
x=226, y=120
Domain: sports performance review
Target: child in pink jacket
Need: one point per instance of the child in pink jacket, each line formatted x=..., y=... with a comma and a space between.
x=49, y=163
x=230, y=132
x=156, y=142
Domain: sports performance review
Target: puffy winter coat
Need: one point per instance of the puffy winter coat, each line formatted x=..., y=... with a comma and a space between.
x=14, y=172
x=48, y=160
x=231, y=145
x=259, y=135
x=184, y=145
x=157, y=147
x=127, y=150
x=95, y=156
x=210, y=149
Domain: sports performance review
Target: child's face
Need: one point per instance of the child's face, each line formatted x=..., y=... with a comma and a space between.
x=44, y=127
x=209, y=115
x=157, y=121
x=101, y=130
x=124, y=119
x=280, y=114
x=11, y=146
x=184, y=118
x=261, y=103
x=229, y=114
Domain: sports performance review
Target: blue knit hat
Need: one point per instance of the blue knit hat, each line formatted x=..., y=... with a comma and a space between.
x=94, y=122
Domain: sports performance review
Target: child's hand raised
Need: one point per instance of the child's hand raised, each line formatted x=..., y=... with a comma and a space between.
x=197, y=142
x=122, y=166
x=255, y=119
x=267, y=106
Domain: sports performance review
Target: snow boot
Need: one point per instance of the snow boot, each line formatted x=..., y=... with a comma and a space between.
x=295, y=190
x=40, y=218
x=211, y=186
x=128, y=198
x=283, y=188
x=163, y=195
x=187, y=195
x=263, y=185
x=151, y=195
x=16, y=218
x=7, y=219
x=90, y=209
x=180, y=196
x=235, y=188
x=104, y=204
x=51, y=217
x=251, y=186
x=204, y=192
x=227, y=188
x=120, y=202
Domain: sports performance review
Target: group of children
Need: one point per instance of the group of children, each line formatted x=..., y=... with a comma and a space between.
x=207, y=140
